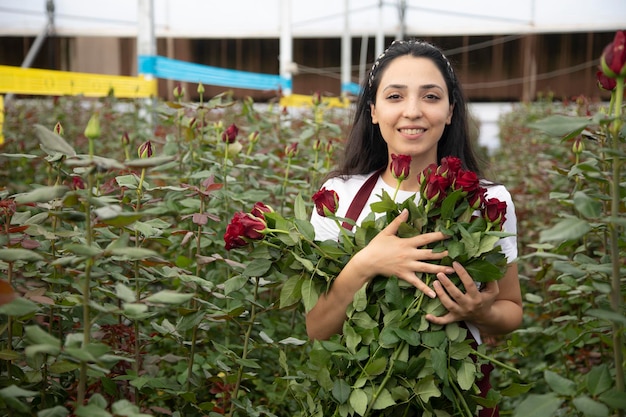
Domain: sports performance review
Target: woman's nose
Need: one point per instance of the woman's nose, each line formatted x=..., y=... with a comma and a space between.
x=412, y=108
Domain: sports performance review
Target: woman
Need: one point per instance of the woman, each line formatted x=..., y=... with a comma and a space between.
x=412, y=104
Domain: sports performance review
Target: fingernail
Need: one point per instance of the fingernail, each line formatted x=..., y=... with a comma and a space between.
x=431, y=294
x=450, y=271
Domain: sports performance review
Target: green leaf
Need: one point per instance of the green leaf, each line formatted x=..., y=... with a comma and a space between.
x=341, y=391
x=439, y=360
x=558, y=125
x=56, y=411
x=614, y=399
x=358, y=401
x=308, y=265
x=299, y=208
x=235, y=284
x=124, y=293
x=19, y=307
x=599, y=380
x=42, y=194
x=559, y=384
x=607, y=315
x=290, y=293
x=91, y=410
x=52, y=143
x=41, y=341
x=376, y=366
x=13, y=391
x=168, y=297
x=83, y=250
x=257, y=268
x=384, y=400
x=591, y=208
x=538, y=405
x=466, y=375
x=567, y=229
x=483, y=271
x=426, y=388
x=306, y=229
x=132, y=254
x=22, y=255
x=590, y=407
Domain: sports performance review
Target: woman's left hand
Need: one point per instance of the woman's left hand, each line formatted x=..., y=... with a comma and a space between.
x=472, y=305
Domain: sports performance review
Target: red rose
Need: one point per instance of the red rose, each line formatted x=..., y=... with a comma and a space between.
x=466, y=181
x=477, y=198
x=260, y=208
x=230, y=134
x=400, y=166
x=450, y=166
x=243, y=225
x=495, y=211
x=145, y=150
x=326, y=201
x=605, y=82
x=613, y=58
x=436, y=186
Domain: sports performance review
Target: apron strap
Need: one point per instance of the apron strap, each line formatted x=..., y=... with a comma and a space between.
x=356, y=207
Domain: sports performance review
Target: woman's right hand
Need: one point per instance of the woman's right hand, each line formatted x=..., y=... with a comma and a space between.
x=387, y=255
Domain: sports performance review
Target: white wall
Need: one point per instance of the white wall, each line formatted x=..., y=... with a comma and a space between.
x=319, y=18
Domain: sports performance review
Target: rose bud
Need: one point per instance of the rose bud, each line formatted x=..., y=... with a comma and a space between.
x=145, y=150
x=92, y=131
x=178, y=92
x=200, y=89
x=613, y=58
x=326, y=202
x=467, y=181
x=291, y=149
x=58, y=129
x=230, y=134
x=254, y=137
x=260, y=208
x=436, y=186
x=477, y=198
x=605, y=82
x=400, y=166
x=495, y=211
x=125, y=139
x=578, y=146
x=450, y=165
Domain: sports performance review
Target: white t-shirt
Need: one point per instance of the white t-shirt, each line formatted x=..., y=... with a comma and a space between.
x=347, y=189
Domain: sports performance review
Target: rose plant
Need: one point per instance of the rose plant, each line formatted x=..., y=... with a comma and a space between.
x=389, y=358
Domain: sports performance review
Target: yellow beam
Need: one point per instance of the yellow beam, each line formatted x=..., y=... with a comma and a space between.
x=1, y=119
x=300, y=100
x=31, y=81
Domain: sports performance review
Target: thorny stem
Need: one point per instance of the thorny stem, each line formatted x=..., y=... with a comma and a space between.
x=495, y=361
x=82, y=382
x=390, y=367
x=461, y=399
x=194, y=334
x=615, y=233
x=246, y=342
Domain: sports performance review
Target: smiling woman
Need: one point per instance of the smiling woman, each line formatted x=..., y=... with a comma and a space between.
x=412, y=105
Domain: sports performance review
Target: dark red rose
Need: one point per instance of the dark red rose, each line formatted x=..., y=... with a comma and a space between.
x=613, y=58
x=495, y=211
x=450, y=166
x=230, y=134
x=605, y=82
x=326, y=201
x=400, y=166
x=426, y=173
x=291, y=149
x=243, y=225
x=77, y=183
x=466, y=181
x=436, y=187
x=260, y=208
x=145, y=150
x=477, y=198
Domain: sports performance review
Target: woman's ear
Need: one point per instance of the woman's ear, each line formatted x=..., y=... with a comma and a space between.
x=450, y=114
x=373, y=113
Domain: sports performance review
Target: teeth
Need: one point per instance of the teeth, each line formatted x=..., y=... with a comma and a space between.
x=412, y=131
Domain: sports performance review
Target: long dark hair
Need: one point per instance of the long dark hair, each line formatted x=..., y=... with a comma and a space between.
x=366, y=151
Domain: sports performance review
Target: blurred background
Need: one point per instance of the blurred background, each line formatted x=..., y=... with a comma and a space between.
x=503, y=52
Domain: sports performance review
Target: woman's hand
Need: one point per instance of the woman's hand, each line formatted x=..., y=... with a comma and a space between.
x=495, y=309
x=387, y=255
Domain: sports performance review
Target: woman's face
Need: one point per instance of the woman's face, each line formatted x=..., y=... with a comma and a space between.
x=412, y=107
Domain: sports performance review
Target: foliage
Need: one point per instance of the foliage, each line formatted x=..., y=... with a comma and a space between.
x=572, y=338
x=128, y=304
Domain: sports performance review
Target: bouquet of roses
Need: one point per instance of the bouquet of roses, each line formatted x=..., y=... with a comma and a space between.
x=389, y=359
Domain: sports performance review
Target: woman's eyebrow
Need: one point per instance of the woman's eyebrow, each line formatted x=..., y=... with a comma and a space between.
x=422, y=87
